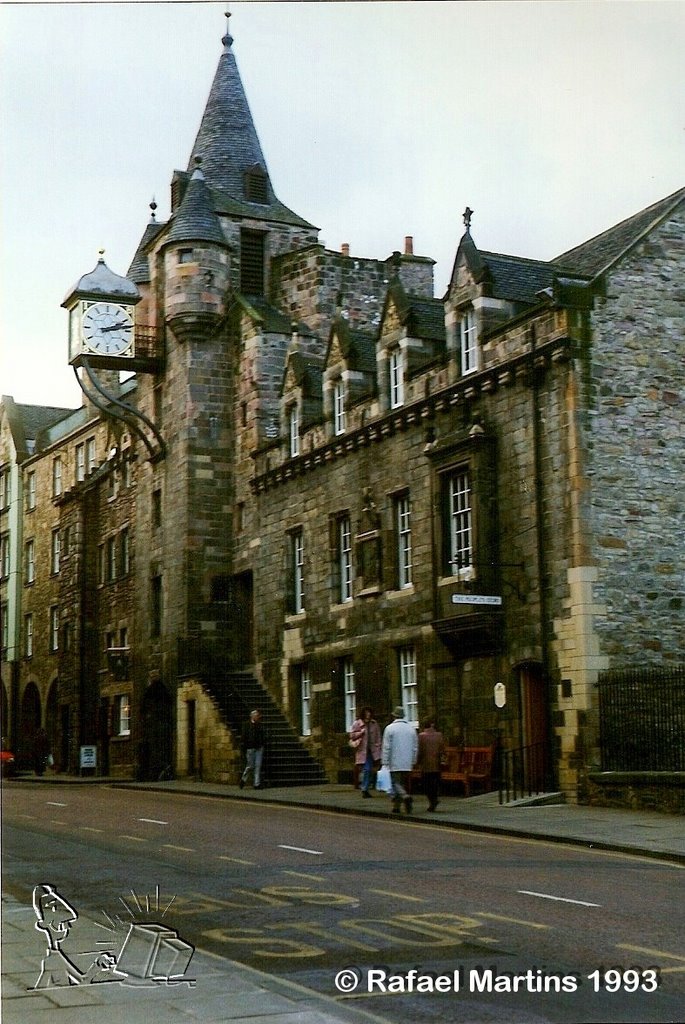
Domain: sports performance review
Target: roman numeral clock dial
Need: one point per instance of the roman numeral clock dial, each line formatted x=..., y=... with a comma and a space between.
x=107, y=329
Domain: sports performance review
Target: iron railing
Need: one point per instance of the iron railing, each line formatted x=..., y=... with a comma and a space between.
x=642, y=720
x=524, y=772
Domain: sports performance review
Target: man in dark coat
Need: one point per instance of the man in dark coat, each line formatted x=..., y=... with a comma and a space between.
x=431, y=753
x=253, y=741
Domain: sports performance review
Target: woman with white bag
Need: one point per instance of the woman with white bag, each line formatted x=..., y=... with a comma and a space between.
x=365, y=740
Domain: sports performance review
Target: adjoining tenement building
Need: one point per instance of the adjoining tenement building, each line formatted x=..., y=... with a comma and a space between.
x=324, y=487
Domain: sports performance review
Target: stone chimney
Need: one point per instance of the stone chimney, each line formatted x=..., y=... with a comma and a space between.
x=345, y=249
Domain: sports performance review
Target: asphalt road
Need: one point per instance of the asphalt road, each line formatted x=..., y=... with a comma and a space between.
x=410, y=921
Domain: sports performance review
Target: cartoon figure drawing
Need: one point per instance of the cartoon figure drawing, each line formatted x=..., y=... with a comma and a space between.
x=150, y=953
x=55, y=917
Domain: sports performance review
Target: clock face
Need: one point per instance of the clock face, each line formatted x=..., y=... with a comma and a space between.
x=107, y=328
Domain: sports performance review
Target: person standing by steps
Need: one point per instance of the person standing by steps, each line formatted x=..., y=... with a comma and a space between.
x=253, y=740
x=431, y=753
x=365, y=739
x=399, y=753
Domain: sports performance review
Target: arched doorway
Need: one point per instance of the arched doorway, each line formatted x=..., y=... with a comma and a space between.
x=51, y=719
x=29, y=723
x=155, y=749
x=5, y=725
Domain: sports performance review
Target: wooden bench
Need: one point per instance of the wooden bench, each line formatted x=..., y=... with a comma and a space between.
x=467, y=766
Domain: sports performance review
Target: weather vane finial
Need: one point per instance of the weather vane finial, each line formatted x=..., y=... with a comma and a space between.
x=228, y=38
x=468, y=213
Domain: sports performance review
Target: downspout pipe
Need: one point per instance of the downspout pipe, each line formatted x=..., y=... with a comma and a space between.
x=539, y=491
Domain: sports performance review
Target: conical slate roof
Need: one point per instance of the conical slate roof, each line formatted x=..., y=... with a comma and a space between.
x=195, y=219
x=227, y=140
x=229, y=148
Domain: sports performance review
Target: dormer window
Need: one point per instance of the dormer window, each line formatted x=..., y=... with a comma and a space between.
x=396, y=379
x=468, y=341
x=256, y=186
x=294, y=430
x=339, y=412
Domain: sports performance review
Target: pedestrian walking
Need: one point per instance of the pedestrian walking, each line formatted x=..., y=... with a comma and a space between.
x=399, y=752
x=41, y=749
x=253, y=742
x=365, y=740
x=430, y=760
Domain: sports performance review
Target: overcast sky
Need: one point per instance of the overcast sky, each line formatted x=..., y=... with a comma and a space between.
x=552, y=120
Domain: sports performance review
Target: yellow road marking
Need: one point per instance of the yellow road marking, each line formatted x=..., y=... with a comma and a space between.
x=398, y=895
x=511, y=920
x=54, y=821
x=657, y=953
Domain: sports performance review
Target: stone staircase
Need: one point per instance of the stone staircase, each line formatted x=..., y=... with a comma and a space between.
x=286, y=761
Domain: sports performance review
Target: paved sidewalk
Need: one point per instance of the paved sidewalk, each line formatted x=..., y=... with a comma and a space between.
x=215, y=990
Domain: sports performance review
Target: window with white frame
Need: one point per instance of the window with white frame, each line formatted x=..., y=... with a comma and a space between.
x=30, y=561
x=28, y=635
x=4, y=556
x=297, y=571
x=294, y=430
x=4, y=627
x=30, y=491
x=460, y=528
x=54, y=628
x=396, y=368
x=408, y=683
x=124, y=552
x=350, y=692
x=339, y=412
x=90, y=455
x=55, y=551
x=468, y=342
x=306, y=700
x=123, y=714
x=111, y=559
x=4, y=487
x=56, y=476
x=404, y=549
x=345, y=558
x=80, y=462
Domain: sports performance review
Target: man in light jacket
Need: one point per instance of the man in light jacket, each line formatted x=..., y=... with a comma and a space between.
x=400, y=750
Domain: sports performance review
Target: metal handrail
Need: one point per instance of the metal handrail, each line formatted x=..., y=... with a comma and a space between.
x=524, y=771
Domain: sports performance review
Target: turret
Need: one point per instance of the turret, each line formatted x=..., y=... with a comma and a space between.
x=196, y=260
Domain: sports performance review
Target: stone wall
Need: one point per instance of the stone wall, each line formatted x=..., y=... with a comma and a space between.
x=634, y=428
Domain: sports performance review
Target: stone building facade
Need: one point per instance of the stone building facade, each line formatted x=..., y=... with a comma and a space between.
x=337, y=489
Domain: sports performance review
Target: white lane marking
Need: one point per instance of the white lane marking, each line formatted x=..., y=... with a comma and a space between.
x=300, y=849
x=89, y=828
x=135, y=839
x=55, y=803
x=301, y=874
x=154, y=821
x=559, y=899
x=235, y=860
x=184, y=849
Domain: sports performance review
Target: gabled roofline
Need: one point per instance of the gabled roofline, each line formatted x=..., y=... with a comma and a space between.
x=672, y=203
